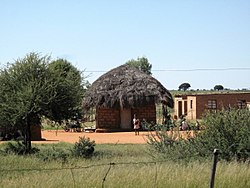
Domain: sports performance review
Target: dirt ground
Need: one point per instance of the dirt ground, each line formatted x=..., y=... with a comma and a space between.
x=52, y=136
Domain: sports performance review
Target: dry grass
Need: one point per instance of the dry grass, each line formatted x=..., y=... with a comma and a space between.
x=130, y=166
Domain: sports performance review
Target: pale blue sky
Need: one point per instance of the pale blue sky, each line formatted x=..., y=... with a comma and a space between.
x=100, y=35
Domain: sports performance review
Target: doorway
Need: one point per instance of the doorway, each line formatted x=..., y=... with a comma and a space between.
x=125, y=118
x=179, y=108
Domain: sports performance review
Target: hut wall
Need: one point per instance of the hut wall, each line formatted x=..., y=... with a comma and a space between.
x=107, y=118
x=148, y=113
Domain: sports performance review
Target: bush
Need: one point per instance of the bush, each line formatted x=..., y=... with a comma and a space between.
x=170, y=145
x=228, y=131
x=53, y=154
x=84, y=148
x=18, y=148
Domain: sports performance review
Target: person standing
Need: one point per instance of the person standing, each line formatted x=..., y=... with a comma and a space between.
x=136, y=123
x=184, y=125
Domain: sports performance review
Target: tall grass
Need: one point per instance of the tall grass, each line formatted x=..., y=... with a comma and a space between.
x=120, y=165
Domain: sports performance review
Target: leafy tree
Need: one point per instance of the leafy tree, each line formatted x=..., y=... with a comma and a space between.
x=33, y=87
x=184, y=86
x=68, y=88
x=218, y=87
x=142, y=64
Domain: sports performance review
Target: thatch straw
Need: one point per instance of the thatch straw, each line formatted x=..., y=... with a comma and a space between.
x=126, y=87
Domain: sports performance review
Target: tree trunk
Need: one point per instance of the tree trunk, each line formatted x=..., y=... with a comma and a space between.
x=27, y=137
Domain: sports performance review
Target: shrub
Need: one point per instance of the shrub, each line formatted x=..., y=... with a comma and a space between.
x=170, y=145
x=18, y=148
x=84, y=148
x=228, y=131
x=53, y=154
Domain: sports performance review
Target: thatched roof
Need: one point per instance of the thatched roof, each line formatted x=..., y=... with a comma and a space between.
x=125, y=87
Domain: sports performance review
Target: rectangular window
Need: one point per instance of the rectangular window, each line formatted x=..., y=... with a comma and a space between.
x=191, y=104
x=212, y=104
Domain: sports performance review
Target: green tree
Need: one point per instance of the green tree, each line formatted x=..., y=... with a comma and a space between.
x=184, y=86
x=218, y=87
x=68, y=89
x=142, y=64
x=33, y=87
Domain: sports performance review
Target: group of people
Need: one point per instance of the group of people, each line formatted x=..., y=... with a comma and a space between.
x=181, y=123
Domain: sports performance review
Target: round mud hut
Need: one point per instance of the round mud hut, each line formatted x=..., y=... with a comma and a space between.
x=122, y=92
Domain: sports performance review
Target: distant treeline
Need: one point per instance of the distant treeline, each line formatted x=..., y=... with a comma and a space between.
x=206, y=91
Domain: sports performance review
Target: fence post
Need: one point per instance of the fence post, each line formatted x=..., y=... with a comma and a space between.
x=104, y=178
x=215, y=159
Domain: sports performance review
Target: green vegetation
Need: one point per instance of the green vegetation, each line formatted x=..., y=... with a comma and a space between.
x=36, y=87
x=164, y=162
x=142, y=64
x=204, y=91
x=228, y=131
x=35, y=90
x=184, y=86
x=218, y=87
x=84, y=148
x=121, y=165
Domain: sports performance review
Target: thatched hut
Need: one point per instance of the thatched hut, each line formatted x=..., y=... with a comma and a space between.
x=122, y=92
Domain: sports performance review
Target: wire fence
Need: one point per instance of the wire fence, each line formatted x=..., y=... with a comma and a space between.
x=154, y=171
x=103, y=179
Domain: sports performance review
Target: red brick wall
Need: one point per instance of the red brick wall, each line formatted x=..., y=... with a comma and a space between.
x=148, y=113
x=200, y=102
x=108, y=118
x=223, y=101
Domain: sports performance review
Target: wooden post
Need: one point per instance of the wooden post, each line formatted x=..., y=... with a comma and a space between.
x=215, y=159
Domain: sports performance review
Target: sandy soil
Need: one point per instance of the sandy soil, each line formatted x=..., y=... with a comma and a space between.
x=72, y=137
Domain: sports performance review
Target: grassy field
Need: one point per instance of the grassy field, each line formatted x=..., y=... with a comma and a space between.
x=116, y=165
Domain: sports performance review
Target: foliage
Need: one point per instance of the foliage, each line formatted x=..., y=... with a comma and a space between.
x=142, y=64
x=68, y=90
x=33, y=87
x=18, y=148
x=84, y=147
x=228, y=131
x=171, y=146
x=184, y=86
x=23, y=93
x=218, y=87
x=53, y=154
x=204, y=91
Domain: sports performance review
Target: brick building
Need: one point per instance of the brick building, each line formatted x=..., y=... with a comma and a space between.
x=123, y=92
x=193, y=106
x=121, y=119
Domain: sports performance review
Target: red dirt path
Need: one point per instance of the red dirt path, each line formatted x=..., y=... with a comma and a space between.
x=72, y=137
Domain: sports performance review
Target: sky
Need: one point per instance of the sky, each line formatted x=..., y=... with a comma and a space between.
x=204, y=43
